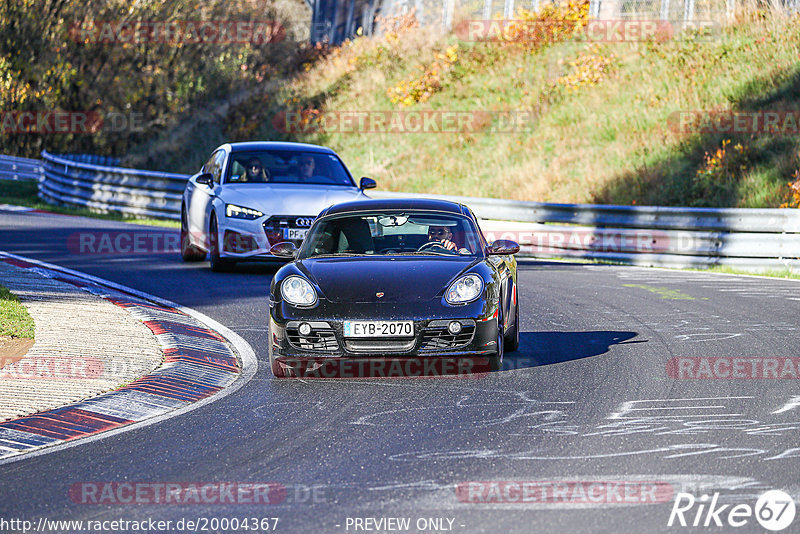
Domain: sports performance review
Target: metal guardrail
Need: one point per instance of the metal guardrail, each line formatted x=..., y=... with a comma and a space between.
x=656, y=217
x=14, y=168
x=111, y=189
x=749, y=239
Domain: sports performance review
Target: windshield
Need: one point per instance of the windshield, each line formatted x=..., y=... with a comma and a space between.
x=393, y=233
x=287, y=167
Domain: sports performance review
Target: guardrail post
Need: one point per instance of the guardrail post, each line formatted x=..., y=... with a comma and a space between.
x=449, y=7
x=688, y=12
x=508, y=9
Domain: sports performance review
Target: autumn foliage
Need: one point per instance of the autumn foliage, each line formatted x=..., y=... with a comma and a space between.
x=48, y=64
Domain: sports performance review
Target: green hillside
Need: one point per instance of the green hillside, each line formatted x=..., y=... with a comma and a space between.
x=600, y=120
x=605, y=113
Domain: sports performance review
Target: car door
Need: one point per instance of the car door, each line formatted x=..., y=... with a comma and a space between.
x=505, y=269
x=203, y=195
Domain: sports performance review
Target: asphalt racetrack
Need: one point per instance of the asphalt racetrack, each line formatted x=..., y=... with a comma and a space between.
x=620, y=382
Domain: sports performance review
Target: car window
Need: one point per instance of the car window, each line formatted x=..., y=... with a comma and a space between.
x=210, y=163
x=393, y=233
x=216, y=166
x=288, y=167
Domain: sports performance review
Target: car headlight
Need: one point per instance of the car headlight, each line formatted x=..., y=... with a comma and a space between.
x=465, y=289
x=296, y=290
x=239, y=212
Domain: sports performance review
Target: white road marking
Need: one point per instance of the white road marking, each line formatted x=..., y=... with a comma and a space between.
x=791, y=404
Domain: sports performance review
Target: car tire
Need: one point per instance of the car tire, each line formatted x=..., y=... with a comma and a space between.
x=218, y=264
x=512, y=336
x=277, y=370
x=496, y=360
x=189, y=252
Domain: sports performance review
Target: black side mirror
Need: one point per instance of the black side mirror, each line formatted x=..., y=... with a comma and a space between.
x=206, y=179
x=502, y=247
x=367, y=183
x=283, y=250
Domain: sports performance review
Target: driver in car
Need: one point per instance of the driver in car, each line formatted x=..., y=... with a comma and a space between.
x=255, y=171
x=443, y=235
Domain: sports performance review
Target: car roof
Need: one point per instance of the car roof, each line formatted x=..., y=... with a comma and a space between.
x=411, y=203
x=278, y=145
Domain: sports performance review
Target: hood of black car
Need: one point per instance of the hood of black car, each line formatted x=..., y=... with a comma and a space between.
x=395, y=279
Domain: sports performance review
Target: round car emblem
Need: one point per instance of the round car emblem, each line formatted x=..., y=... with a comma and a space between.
x=379, y=294
x=304, y=221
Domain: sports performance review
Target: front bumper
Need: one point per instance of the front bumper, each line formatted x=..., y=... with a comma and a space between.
x=432, y=351
x=252, y=239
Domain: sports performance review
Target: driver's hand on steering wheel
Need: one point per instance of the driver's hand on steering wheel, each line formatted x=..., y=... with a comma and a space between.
x=446, y=243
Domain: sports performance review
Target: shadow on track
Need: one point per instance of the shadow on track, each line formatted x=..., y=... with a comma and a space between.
x=545, y=348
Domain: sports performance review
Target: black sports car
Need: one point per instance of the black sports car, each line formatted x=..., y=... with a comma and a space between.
x=400, y=287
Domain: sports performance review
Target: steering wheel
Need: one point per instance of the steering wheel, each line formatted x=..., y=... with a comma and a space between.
x=431, y=245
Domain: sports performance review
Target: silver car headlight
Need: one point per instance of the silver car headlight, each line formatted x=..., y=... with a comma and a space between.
x=239, y=212
x=465, y=289
x=297, y=290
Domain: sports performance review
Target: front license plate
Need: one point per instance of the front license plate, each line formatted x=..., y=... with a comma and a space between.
x=379, y=328
x=295, y=233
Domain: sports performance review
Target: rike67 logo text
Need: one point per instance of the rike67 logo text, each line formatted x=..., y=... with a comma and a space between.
x=774, y=511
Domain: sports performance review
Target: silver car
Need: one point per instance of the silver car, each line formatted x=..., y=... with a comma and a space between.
x=248, y=197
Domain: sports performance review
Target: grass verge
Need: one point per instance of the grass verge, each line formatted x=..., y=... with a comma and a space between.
x=14, y=318
x=780, y=273
x=25, y=193
x=784, y=273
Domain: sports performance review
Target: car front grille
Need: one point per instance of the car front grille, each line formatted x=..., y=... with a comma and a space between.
x=436, y=336
x=379, y=345
x=274, y=226
x=321, y=337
